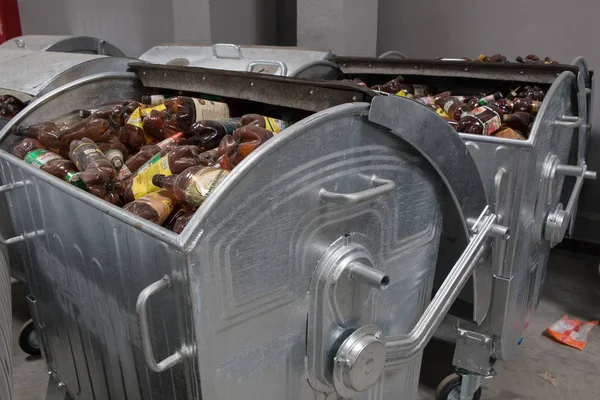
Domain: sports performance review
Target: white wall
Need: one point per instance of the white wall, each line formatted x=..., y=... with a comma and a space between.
x=555, y=28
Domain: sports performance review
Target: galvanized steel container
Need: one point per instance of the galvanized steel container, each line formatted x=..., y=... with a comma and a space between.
x=306, y=275
x=63, y=44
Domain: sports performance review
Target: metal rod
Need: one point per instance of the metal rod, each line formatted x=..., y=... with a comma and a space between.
x=370, y=276
x=404, y=347
x=497, y=230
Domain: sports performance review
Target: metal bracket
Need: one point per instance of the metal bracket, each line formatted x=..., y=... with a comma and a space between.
x=20, y=238
x=473, y=351
x=279, y=64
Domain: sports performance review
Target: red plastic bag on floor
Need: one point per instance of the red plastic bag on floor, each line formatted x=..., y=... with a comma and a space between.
x=571, y=332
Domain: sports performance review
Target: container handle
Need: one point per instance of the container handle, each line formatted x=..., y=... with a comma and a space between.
x=16, y=239
x=558, y=221
x=393, y=54
x=569, y=121
x=382, y=186
x=142, y=311
x=406, y=346
x=230, y=46
x=280, y=64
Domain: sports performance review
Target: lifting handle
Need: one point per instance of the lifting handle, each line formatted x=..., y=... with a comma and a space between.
x=569, y=121
x=383, y=186
x=235, y=47
x=16, y=239
x=279, y=64
x=142, y=311
x=406, y=346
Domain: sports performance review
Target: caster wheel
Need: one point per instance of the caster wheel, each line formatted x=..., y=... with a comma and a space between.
x=449, y=389
x=28, y=339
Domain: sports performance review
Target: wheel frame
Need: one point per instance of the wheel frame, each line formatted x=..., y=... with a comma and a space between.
x=25, y=342
x=449, y=384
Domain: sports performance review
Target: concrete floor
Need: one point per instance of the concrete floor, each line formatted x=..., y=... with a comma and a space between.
x=572, y=287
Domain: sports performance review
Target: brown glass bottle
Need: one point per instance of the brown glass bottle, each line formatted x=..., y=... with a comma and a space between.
x=36, y=154
x=97, y=172
x=48, y=133
x=183, y=111
x=526, y=105
x=520, y=121
x=174, y=162
x=208, y=134
x=271, y=124
x=453, y=106
x=393, y=86
x=192, y=186
x=234, y=148
x=10, y=106
x=483, y=120
x=155, y=207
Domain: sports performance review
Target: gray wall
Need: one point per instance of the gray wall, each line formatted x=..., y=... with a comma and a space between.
x=131, y=25
x=552, y=28
x=243, y=21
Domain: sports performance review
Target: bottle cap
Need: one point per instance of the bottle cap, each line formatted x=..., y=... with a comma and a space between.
x=157, y=180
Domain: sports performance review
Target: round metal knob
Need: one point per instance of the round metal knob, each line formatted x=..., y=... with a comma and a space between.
x=359, y=361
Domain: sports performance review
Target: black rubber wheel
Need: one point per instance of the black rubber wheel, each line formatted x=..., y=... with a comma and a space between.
x=28, y=340
x=449, y=389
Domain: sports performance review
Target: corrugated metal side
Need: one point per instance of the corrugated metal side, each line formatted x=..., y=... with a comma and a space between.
x=5, y=328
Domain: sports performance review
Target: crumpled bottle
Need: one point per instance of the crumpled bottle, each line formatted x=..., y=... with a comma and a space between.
x=192, y=186
x=182, y=112
x=393, y=86
x=234, y=148
x=97, y=172
x=208, y=134
x=48, y=133
x=155, y=207
x=10, y=106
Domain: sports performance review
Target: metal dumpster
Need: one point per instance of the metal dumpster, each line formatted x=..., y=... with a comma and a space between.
x=306, y=275
x=27, y=75
x=524, y=181
x=5, y=327
x=63, y=44
x=282, y=61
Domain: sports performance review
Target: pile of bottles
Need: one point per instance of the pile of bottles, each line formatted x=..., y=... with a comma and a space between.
x=159, y=159
x=10, y=106
x=499, y=58
x=510, y=115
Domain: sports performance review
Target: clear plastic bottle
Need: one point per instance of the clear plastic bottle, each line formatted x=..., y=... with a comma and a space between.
x=192, y=186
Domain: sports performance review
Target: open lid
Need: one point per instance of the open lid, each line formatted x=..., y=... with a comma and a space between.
x=65, y=44
x=279, y=91
x=283, y=61
x=454, y=68
x=26, y=74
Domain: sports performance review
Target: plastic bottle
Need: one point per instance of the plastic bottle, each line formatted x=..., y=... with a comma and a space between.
x=483, y=120
x=393, y=86
x=503, y=104
x=208, y=134
x=10, y=106
x=271, y=124
x=174, y=162
x=234, y=148
x=48, y=133
x=520, y=121
x=532, y=93
x=192, y=186
x=117, y=154
x=183, y=111
x=210, y=158
x=136, y=161
x=483, y=100
x=496, y=58
x=36, y=154
x=509, y=133
x=182, y=221
x=97, y=172
x=453, y=106
x=526, y=105
x=155, y=207
x=95, y=129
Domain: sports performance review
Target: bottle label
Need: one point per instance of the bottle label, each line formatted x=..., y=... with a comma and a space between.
x=441, y=113
x=137, y=117
x=40, y=157
x=74, y=178
x=207, y=109
x=420, y=90
x=142, y=181
x=487, y=99
x=448, y=104
x=124, y=172
x=275, y=125
x=161, y=204
x=164, y=143
x=85, y=154
x=426, y=100
x=157, y=99
x=490, y=125
x=202, y=184
x=115, y=157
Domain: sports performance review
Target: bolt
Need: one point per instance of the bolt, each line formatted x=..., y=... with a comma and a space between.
x=521, y=72
x=61, y=384
x=165, y=74
x=49, y=372
x=416, y=67
x=354, y=98
x=378, y=335
x=203, y=78
x=251, y=83
x=466, y=69
x=311, y=92
x=370, y=65
x=144, y=73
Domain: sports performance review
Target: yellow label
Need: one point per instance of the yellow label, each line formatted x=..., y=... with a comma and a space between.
x=137, y=117
x=142, y=182
x=481, y=57
x=401, y=93
x=275, y=125
x=442, y=113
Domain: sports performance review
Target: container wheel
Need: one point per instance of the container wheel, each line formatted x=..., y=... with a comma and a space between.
x=449, y=389
x=28, y=339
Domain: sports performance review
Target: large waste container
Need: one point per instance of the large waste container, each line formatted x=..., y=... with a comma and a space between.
x=282, y=61
x=63, y=44
x=5, y=327
x=524, y=181
x=307, y=273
